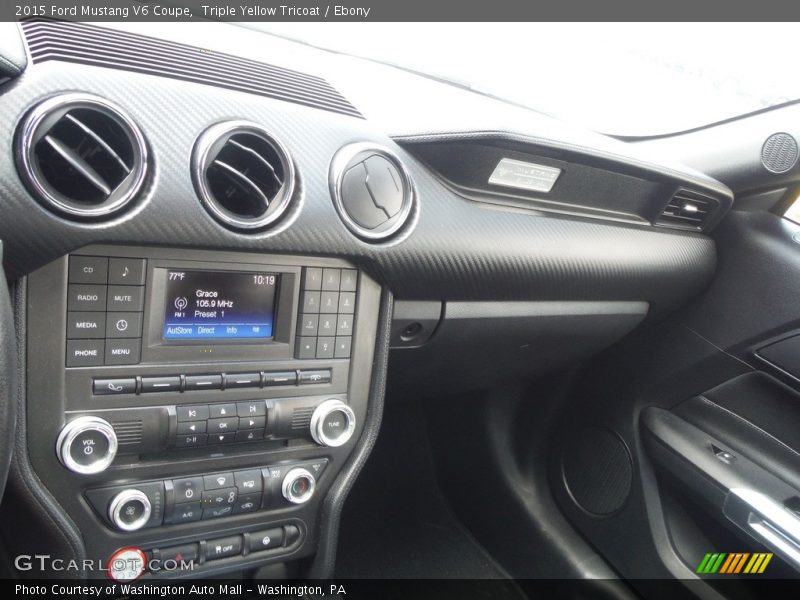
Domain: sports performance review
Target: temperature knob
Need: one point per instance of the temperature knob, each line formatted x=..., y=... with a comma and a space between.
x=333, y=423
x=298, y=486
x=87, y=445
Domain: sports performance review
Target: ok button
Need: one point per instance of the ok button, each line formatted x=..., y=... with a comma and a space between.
x=124, y=325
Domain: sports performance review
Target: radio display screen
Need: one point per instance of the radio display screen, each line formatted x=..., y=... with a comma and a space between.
x=219, y=305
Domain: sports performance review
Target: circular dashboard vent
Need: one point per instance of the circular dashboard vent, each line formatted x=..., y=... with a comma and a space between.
x=81, y=155
x=371, y=190
x=779, y=153
x=243, y=174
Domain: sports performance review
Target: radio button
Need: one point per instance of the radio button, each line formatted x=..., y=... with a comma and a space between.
x=188, y=489
x=107, y=387
x=247, y=503
x=123, y=352
x=126, y=271
x=216, y=411
x=312, y=278
x=86, y=297
x=190, y=427
x=124, y=325
x=190, y=441
x=325, y=347
x=85, y=353
x=88, y=269
x=226, y=497
x=223, y=425
x=192, y=413
x=125, y=297
x=248, y=482
x=186, y=513
x=251, y=435
x=161, y=384
x=203, y=382
x=349, y=280
x=242, y=380
x=315, y=376
x=252, y=423
x=218, y=481
x=251, y=409
x=221, y=438
x=279, y=378
x=83, y=325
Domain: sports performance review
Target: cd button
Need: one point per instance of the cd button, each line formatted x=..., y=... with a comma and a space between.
x=88, y=269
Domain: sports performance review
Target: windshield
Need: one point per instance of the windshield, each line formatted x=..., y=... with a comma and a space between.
x=626, y=79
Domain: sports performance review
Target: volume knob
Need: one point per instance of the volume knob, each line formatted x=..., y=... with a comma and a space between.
x=87, y=445
x=333, y=423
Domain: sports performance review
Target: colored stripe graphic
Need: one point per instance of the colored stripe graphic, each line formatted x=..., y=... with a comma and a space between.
x=734, y=563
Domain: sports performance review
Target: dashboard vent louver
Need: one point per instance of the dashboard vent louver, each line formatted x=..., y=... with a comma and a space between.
x=111, y=48
x=81, y=155
x=687, y=210
x=243, y=175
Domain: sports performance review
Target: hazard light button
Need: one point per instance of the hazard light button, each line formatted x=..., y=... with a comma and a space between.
x=184, y=553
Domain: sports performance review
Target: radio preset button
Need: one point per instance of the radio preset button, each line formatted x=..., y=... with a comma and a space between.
x=123, y=352
x=327, y=325
x=161, y=384
x=311, y=302
x=126, y=271
x=125, y=297
x=242, y=380
x=344, y=325
x=190, y=427
x=88, y=269
x=192, y=413
x=108, y=387
x=203, y=382
x=86, y=297
x=218, y=481
x=347, y=303
x=330, y=279
x=308, y=325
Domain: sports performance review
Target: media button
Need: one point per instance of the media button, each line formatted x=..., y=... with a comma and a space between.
x=126, y=271
x=125, y=297
x=203, y=382
x=108, y=387
x=86, y=297
x=86, y=325
x=85, y=353
x=88, y=269
x=124, y=325
x=192, y=413
x=123, y=352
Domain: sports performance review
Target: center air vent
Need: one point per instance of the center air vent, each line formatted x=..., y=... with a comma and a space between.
x=81, y=155
x=243, y=175
x=688, y=210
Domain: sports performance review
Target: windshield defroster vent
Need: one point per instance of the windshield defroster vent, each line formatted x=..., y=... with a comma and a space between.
x=243, y=174
x=688, y=210
x=81, y=155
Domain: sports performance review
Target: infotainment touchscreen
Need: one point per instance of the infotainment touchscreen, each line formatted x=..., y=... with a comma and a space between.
x=217, y=305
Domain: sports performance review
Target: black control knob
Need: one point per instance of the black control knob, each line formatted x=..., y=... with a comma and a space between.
x=130, y=510
x=333, y=423
x=298, y=486
x=87, y=445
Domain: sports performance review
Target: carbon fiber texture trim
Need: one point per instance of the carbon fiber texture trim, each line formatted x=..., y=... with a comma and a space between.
x=454, y=249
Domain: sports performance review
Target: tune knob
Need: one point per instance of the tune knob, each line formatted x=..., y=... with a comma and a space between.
x=130, y=510
x=333, y=423
x=298, y=486
x=87, y=445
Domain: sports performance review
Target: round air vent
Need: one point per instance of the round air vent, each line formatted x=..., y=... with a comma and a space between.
x=243, y=174
x=779, y=153
x=371, y=190
x=81, y=155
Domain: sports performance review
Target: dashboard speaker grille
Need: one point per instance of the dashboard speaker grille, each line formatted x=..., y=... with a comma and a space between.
x=104, y=47
x=779, y=153
x=81, y=155
x=243, y=175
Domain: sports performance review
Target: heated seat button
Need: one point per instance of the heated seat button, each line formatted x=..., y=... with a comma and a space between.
x=247, y=503
x=222, y=547
x=187, y=512
x=161, y=384
x=86, y=325
x=188, y=489
x=266, y=539
x=107, y=387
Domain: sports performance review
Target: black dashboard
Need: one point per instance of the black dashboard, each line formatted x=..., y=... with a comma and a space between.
x=204, y=303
